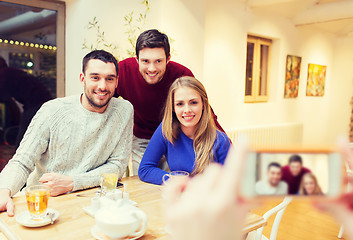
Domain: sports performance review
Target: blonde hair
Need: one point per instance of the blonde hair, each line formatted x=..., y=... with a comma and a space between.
x=205, y=134
x=317, y=190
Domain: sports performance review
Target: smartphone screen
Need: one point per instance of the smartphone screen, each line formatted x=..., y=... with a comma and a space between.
x=293, y=173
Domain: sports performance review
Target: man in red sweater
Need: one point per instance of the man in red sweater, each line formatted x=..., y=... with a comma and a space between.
x=293, y=172
x=144, y=81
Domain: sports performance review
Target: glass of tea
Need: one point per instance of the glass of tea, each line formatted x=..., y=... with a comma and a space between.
x=108, y=182
x=37, y=201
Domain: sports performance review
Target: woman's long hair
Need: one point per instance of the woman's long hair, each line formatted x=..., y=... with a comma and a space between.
x=317, y=190
x=205, y=134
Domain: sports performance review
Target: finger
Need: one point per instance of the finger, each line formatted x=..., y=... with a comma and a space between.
x=349, y=177
x=347, y=153
x=46, y=177
x=54, y=193
x=43, y=178
x=51, y=188
x=173, y=190
x=208, y=180
x=347, y=200
x=234, y=165
x=10, y=208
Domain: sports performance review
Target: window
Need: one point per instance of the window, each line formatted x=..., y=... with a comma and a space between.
x=36, y=44
x=257, y=65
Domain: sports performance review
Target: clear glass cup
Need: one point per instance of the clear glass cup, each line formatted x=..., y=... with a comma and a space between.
x=174, y=174
x=108, y=182
x=37, y=197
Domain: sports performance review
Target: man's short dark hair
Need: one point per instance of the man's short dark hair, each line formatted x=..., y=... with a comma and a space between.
x=273, y=164
x=102, y=55
x=295, y=158
x=3, y=63
x=153, y=39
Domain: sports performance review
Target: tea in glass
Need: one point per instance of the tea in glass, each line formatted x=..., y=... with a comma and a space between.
x=109, y=182
x=37, y=200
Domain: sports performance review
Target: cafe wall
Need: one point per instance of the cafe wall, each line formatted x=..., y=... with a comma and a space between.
x=227, y=26
x=210, y=38
x=170, y=17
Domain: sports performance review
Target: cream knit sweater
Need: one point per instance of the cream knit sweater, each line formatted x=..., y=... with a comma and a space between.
x=65, y=138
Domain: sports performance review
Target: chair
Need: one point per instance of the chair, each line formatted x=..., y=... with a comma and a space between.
x=279, y=210
x=349, y=188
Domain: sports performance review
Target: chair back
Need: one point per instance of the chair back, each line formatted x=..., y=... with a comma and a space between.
x=279, y=209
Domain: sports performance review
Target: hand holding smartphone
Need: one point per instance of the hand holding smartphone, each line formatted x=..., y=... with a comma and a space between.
x=300, y=172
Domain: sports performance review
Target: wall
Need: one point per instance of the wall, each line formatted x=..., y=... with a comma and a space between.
x=210, y=38
x=110, y=15
x=170, y=17
x=227, y=26
x=183, y=21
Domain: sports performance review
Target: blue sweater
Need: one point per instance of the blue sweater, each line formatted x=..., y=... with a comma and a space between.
x=180, y=156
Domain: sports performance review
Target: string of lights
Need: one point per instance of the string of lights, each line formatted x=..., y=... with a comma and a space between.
x=26, y=44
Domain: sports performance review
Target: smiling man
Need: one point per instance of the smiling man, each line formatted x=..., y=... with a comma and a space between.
x=71, y=141
x=272, y=185
x=145, y=82
x=294, y=172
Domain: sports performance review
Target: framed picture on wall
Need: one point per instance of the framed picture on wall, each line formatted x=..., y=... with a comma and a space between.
x=316, y=80
x=291, y=84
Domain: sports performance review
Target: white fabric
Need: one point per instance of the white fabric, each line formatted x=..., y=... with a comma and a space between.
x=66, y=138
x=264, y=188
x=139, y=146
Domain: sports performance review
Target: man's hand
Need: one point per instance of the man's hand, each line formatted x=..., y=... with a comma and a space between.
x=57, y=183
x=6, y=202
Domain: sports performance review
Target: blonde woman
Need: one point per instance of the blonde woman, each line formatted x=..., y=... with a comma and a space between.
x=309, y=185
x=187, y=136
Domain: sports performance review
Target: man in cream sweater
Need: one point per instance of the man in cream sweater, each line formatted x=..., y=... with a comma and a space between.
x=71, y=141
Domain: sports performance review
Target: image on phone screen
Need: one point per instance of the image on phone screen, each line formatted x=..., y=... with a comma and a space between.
x=296, y=174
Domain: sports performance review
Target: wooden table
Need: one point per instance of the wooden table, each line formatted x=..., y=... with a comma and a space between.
x=74, y=223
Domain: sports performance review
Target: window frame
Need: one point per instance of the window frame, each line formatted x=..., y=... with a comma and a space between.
x=255, y=86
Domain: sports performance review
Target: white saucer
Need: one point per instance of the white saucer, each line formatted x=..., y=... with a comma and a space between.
x=25, y=219
x=98, y=234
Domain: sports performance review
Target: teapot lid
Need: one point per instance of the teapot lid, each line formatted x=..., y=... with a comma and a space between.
x=116, y=214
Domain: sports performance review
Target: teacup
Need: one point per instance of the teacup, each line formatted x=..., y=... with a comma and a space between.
x=120, y=222
x=174, y=174
x=109, y=181
x=37, y=200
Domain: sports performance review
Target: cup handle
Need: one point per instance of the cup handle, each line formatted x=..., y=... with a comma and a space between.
x=143, y=217
x=163, y=178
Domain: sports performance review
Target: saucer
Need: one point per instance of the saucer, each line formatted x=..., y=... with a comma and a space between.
x=25, y=219
x=98, y=234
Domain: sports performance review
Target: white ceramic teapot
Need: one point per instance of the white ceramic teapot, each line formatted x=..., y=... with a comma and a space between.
x=121, y=221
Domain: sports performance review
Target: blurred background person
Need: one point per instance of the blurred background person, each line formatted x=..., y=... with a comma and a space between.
x=309, y=185
x=293, y=172
x=272, y=185
x=28, y=90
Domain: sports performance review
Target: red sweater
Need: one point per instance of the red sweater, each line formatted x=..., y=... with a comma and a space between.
x=293, y=182
x=148, y=99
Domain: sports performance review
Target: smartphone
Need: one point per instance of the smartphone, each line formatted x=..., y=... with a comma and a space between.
x=300, y=172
